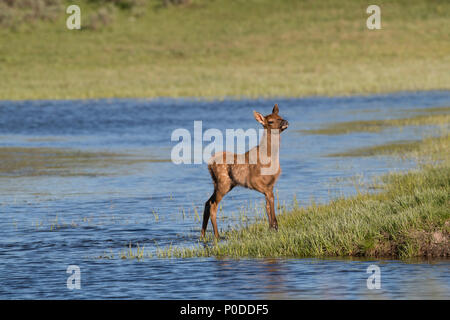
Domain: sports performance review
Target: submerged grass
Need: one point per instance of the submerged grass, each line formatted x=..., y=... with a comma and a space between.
x=425, y=149
x=438, y=118
x=432, y=110
x=34, y=161
x=397, y=147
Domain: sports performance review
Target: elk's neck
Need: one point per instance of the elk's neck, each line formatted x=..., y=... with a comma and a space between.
x=270, y=146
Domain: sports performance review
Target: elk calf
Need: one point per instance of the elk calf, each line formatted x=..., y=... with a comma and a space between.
x=258, y=169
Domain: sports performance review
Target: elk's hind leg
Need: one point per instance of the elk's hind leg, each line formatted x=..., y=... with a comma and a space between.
x=211, y=207
x=222, y=185
x=211, y=211
x=207, y=212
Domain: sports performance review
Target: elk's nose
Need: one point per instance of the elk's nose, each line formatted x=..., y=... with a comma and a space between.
x=284, y=124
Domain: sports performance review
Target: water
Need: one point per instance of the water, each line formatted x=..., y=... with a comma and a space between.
x=86, y=210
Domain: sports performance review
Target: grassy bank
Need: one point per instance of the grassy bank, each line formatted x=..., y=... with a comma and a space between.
x=228, y=48
x=409, y=218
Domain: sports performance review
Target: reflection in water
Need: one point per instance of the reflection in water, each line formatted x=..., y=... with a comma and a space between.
x=81, y=182
x=273, y=280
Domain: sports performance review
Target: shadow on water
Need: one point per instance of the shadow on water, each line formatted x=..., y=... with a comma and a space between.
x=80, y=180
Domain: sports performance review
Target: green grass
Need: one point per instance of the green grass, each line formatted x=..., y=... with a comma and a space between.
x=255, y=48
x=408, y=217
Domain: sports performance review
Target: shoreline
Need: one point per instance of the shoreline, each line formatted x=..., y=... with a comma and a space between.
x=241, y=98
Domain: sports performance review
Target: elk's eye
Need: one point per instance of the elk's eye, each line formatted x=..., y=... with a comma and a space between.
x=270, y=122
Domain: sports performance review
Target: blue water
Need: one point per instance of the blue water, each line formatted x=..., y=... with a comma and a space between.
x=54, y=220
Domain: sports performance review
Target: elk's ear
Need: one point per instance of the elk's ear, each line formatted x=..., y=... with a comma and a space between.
x=259, y=117
x=275, y=109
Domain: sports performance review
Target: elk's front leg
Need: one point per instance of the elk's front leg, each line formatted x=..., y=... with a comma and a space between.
x=270, y=208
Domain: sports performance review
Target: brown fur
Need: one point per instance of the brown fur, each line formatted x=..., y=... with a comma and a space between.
x=243, y=173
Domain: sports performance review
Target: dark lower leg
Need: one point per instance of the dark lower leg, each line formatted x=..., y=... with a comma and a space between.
x=206, y=214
